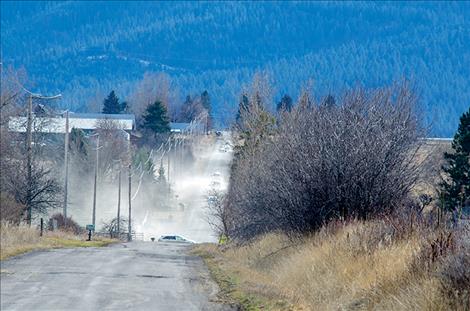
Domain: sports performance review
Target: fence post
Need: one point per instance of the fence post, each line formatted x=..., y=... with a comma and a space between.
x=42, y=226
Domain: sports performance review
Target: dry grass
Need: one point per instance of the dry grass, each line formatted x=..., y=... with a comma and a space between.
x=16, y=240
x=359, y=266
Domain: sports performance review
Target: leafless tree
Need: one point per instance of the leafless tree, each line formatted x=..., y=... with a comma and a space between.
x=112, y=227
x=44, y=189
x=152, y=87
x=113, y=145
x=218, y=213
x=324, y=162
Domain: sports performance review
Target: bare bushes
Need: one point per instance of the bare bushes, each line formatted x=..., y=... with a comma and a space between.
x=325, y=161
x=11, y=210
x=58, y=221
x=218, y=217
x=454, y=273
x=116, y=228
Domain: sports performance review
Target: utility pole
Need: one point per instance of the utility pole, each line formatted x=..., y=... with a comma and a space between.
x=119, y=203
x=29, y=156
x=66, y=163
x=129, y=172
x=93, y=221
x=182, y=156
x=129, y=226
x=169, y=148
x=29, y=150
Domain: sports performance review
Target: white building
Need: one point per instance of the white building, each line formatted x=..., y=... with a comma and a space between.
x=84, y=121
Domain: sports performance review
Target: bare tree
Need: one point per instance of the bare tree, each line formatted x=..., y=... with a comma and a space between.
x=152, y=87
x=45, y=190
x=42, y=191
x=112, y=228
x=323, y=162
x=113, y=145
x=218, y=216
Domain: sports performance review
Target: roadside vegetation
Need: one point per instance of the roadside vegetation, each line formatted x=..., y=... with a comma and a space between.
x=19, y=239
x=340, y=204
x=346, y=266
x=39, y=182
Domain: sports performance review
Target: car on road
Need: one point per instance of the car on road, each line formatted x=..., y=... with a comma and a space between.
x=211, y=199
x=216, y=174
x=175, y=239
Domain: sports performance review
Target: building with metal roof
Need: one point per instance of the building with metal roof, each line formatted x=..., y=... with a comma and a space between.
x=84, y=121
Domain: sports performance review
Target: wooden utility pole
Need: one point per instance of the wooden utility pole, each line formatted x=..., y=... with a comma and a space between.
x=96, y=177
x=66, y=164
x=169, y=148
x=129, y=224
x=119, y=203
x=29, y=152
x=29, y=156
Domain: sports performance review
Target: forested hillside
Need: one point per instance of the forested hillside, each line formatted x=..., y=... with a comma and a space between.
x=218, y=47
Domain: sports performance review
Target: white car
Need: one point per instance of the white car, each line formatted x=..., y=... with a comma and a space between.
x=175, y=239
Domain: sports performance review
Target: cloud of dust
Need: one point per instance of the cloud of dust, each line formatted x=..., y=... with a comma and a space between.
x=185, y=213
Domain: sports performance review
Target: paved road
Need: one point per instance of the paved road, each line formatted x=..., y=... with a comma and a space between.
x=128, y=276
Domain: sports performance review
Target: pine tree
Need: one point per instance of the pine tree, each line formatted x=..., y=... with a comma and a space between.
x=329, y=101
x=187, y=114
x=111, y=104
x=242, y=108
x=156, y=118
x=456, y=188
x=285, y=104
x=206, y=103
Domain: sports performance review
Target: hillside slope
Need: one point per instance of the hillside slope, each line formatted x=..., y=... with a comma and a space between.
x=218, y=46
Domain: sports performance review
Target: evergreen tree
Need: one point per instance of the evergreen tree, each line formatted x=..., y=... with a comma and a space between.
x=242, y=107
x=187, y=114
x=456, y=188
x=206, y=103
x=329, y=101
x=111, y=104
x=285, y=104
x=156, y=118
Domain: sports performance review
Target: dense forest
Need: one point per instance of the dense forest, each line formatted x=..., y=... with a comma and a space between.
x=217, y=46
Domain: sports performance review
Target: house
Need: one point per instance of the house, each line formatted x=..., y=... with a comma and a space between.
x=84, y=121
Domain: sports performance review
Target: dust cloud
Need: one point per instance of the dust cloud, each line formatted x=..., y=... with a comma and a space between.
x=182, y=211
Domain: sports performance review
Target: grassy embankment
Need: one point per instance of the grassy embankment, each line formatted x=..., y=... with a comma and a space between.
x=357, y=266
x=16, y=240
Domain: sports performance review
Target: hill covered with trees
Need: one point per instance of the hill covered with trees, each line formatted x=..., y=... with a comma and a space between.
x=217, y=46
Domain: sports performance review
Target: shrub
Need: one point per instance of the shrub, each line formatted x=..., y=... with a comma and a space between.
x=65, y=224
x=112, y=227
x=326, y=162
x=11, y=210
x=454, y=273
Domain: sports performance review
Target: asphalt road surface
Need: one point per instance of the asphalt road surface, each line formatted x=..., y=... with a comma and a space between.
x=127, y=276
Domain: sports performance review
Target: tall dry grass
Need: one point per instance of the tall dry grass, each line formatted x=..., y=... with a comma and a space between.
x=358, y=266
x=19, y=239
